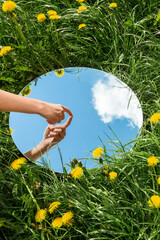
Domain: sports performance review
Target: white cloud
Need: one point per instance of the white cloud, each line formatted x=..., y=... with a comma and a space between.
x=112, y=99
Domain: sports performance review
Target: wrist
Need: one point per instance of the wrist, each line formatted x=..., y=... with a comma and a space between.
x=40, y=107
x=36, y=152
x=42, y=147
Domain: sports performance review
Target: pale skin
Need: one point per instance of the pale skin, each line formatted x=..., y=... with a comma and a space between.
x=54, y=113
x=52, y=136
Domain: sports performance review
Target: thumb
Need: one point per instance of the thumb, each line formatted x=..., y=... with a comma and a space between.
x=50, y=122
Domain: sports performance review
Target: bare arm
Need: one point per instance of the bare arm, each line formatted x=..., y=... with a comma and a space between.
x=52, y=136
x=10, y=102
x=36, y=152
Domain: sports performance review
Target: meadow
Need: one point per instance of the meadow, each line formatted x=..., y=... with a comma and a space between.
x=120, y=199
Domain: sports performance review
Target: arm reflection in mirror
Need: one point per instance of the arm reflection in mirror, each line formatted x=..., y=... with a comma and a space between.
x=10, y=102
x=52, y=136
x=97, y=99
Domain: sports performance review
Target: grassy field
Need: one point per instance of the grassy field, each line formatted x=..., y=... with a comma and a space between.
x=124, y=41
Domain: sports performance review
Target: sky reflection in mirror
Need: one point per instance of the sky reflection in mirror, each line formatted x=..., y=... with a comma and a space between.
x=98, y=100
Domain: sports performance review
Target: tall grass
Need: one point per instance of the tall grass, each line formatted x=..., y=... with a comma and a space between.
x=123, y=41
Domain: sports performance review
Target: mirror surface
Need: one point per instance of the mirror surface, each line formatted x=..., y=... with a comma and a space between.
x=100, y=103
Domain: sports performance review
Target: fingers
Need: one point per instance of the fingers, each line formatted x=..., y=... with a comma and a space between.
x=57, y=138
x=58, y=120
x=61, y=132
x=60, y=114
x=65, y=125
x=68, y=122
x=67, y=111
x=52, y=134
x=47, y=131
x=53, y=128
x=50, y=122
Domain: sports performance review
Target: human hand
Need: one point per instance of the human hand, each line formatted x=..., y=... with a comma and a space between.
x=54, y=113
x=51, y=138
x=54, y=134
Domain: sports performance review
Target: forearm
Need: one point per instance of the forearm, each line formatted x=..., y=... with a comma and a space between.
x=36, y=152
x=10, y=102
x=39, y=150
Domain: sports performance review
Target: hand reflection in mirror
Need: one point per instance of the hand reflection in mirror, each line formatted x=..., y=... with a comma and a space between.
x=52, y=136
x=54, y=113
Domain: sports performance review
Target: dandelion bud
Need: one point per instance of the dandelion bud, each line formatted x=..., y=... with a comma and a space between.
x=100, y=160
x=75, y=160
x=32, y=225
x=39, y=226
x=80, y=164
x=72, y=164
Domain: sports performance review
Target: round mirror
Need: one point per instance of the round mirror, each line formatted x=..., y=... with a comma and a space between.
x=106, y=113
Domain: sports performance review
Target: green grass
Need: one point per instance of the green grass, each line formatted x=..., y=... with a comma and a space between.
x=125, y=42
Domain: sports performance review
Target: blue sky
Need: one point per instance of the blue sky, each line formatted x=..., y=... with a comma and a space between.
x=96, y=99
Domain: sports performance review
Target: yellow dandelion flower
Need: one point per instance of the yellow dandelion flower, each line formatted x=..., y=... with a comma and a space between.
x=67, y=218
x=17, y=164
x=53, y=17
x=82, y=8
x=41, y=17
x=152, y=161
x=5, y=50
x=1, y=223
x=41, y=215
x=53, y=206
x=105, y=167
x=97, y=152
x=81, y=26
x=8, y=6
x=52, y=12
x=79, y=1
x=106, y=172
x=158, y=180
x=77, y=172
x=59, y=72
x=28, y=92
x=155, y=118
x=11, y=130
x=57, y=222
x=154, y=201
x=69, y=223
x=112, y=175
x=113, y=5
